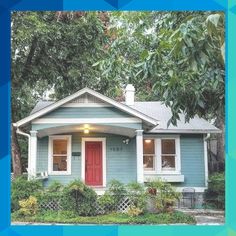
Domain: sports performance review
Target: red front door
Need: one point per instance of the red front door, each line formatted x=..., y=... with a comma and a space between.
x=93, y=163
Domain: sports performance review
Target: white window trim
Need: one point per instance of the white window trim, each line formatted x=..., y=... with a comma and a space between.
x=158, y=154
x=104, y=169
x=50, y=155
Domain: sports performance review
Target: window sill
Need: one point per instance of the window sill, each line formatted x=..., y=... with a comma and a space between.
x=59, y=173
x=177, y=178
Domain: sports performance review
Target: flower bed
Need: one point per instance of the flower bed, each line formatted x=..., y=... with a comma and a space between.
x=78, y=203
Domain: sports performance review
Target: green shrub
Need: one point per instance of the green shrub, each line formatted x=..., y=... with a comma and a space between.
x=55, y=186
x=117, y=190
x=137, y=195
x=79, y=198
x=51, y=194
x=29, y=206
x=112, y=196
x=215, y=194
x=21, y=189
x=163, y=194
x=107, y=202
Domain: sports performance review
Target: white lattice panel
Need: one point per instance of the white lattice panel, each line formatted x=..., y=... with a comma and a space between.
x=124, y=204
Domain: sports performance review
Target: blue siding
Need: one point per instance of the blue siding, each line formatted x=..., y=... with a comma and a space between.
x=192, y=160
x=120, y=159
x=87, y=112
x=121, y=165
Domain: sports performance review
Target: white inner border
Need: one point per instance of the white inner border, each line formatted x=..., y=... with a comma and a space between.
x=95, y=139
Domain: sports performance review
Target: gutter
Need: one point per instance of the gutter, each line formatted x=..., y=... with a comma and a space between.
x=207, y=137
x=206, y=158
x=18, y=131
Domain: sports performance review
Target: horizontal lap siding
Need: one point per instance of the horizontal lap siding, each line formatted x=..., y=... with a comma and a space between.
x=42, y=154
x=86, y=112
x=192, y=160
x=120, y=158
x=121, y=164
x=42, y=161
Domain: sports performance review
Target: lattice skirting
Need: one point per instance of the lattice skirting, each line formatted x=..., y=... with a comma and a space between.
x=51, y=205
x=122, y=206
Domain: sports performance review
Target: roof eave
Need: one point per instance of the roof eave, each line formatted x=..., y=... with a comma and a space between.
x=185, y=131
x=79, y=93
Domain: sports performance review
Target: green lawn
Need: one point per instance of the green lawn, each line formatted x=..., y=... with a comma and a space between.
x=113, y=218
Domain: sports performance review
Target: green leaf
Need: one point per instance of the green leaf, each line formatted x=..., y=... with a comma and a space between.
x=144, y=55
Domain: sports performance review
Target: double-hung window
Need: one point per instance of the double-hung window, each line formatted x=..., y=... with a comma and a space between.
x=59, y=154
x=161, y=155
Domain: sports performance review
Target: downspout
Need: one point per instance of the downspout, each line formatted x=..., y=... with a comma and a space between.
x=206, y=158
x=18, y=131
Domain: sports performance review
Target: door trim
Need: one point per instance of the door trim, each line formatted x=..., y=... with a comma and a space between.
x=95, y=139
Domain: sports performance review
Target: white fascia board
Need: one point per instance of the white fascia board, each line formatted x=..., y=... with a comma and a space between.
x=87, y=105
x=184, y=131
x=79, y=93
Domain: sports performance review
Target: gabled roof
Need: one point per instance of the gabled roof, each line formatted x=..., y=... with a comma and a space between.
x=52, y=106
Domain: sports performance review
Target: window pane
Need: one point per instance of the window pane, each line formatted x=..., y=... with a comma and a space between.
x=148, y=162
x=168, y=162
x=168, y=146
x=59, y=163
x=59, y=146
x=148, y=146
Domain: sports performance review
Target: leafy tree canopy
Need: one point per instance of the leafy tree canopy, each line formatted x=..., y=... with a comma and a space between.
x=176, y=57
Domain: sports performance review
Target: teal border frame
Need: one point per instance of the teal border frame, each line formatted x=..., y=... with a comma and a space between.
x=229, y=8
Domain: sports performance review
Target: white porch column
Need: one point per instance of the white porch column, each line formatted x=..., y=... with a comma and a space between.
x=139, y=154
x=33, y=154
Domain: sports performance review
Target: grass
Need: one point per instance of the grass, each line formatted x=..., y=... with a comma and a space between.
x=112, y=218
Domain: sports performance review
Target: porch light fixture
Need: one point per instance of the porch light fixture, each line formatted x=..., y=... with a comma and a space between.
x=148, y=140
x=86, y=131
x=126, y=141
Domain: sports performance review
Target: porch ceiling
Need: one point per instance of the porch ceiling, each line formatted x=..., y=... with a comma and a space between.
x=129, y=132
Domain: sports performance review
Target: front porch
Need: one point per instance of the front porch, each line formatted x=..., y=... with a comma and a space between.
x=93, y=153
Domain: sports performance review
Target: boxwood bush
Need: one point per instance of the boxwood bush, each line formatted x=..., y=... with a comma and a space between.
x=79, y=198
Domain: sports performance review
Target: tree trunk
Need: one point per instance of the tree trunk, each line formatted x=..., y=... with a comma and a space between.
x=15, y=154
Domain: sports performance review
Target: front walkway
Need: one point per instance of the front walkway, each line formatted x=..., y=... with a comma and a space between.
x=206, y=217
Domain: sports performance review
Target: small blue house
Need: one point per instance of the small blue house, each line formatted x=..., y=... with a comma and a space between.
x=96, y=139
